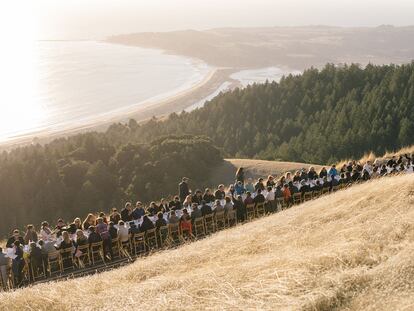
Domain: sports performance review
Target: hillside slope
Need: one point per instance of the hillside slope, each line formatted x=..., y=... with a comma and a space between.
x=351, y=250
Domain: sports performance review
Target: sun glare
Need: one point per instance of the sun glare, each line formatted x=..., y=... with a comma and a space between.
x=20, y=108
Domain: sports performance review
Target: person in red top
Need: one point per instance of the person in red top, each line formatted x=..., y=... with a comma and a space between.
x=185, y=223
x=286, y=194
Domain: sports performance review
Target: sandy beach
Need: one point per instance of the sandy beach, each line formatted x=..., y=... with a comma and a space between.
x=140, y=112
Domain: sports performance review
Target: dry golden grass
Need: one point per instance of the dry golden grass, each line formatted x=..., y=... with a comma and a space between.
x=371, y=156
x=352, y=250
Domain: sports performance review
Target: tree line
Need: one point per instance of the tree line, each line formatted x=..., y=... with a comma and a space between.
x=320, y=116
x=73, y=176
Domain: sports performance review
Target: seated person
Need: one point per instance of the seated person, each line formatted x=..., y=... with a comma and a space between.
x=196, y=212
x=93, y=237
x=30, y=235
x=138, y=211
x=146, y=224
x=239, y=188
x=115, y=217
x=231, y=190
x=160, y=222
x=185, y=222
x=4, y=264
x=175, y=204
x=35, y=258
x=153, y=209
x=81, y=239
x=249, y=185
x=259, y=198
x=46, y=232
x=228, y=205
x=270, y=182
x=240, y=208
x=248, y=200
x=218, y=207
x=123, y=234
x=90, y=220
x=113, y=232
x=133, y=229
x=15, y=237
x=197, y=197
x=172, y=218
x=278, y=192
x=259, y=185
x=287, y=196
x=205, y=209
x=219, y=194
x=164, y=206
x=126, y=212
x=208, y=197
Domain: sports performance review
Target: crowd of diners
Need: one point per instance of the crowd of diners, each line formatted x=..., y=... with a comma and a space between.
x=30, y=249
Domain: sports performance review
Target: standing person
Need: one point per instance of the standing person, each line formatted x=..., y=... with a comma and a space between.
x=183, y=189
x=270, y=200
x=30, y=235
x=4, y=263
x=240, y=175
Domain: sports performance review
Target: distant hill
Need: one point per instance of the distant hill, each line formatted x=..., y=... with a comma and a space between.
x=352, y=250
x=293, y=47
x=320, y=116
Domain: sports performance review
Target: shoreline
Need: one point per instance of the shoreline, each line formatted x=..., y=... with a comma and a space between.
x=141, y=112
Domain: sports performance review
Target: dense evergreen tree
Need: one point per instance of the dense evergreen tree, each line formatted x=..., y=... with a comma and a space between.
x=86, y=173
x=318, y=116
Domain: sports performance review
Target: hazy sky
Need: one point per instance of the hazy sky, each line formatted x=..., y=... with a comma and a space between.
x=55, y=19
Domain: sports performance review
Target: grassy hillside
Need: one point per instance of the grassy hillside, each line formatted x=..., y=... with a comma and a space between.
x=351, y=250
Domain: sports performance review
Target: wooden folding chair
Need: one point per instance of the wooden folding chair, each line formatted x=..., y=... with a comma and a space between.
x=260, y=209
x=297, y=198
x=138, y=245
x=335, y=188
x=116, y=249
x=231, y=219
x=54, y=263
x=316, y=194
x=97, y=254
x=325, y=190
x=219, y=220
x=199, y=228
x=174, y=234
x=163, y=236
x=66, y=256
x=250, y=211
x=280, y=204
x=307, y=196
x=209, y=224
x=82, y=256
x=151, y=239
x=37, y=271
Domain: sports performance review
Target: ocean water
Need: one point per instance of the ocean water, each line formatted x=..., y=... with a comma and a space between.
x=64, y=84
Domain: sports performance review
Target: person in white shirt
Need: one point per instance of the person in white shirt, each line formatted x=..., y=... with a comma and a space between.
x=123, y=233
x=46, y=233
x=270, y=200
x=368, y=167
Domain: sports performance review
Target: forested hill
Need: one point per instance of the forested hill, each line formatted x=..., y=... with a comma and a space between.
x=319, y=116
x=74, y=176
